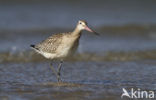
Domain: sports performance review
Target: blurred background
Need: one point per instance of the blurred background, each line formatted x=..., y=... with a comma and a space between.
x=124, y=55
x=124, y=25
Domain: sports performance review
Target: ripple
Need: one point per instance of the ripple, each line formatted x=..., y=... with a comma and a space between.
x=30, y=56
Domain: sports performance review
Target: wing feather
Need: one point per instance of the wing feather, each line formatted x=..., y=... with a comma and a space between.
x=51, y=44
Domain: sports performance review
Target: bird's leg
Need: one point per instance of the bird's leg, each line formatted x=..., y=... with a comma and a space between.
x=53, y=69
x=58, y=72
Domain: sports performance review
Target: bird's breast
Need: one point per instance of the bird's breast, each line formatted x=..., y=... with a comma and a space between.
x=68, y=46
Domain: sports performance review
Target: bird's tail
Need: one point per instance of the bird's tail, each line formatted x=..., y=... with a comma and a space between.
x=33, y=46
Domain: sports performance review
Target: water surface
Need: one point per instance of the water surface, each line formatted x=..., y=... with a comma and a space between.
x=123, y=56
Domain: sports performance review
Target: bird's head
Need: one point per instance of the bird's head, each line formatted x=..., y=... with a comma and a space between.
x=82, y=25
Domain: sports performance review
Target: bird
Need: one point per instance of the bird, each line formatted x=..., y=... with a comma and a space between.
x=61, y=45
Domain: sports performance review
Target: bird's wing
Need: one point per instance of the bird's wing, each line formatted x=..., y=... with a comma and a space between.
x=51, y=44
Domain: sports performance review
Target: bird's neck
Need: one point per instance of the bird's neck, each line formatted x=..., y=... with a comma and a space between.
x=76, y=32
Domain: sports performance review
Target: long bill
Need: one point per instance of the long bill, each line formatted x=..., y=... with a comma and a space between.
x=90, y=30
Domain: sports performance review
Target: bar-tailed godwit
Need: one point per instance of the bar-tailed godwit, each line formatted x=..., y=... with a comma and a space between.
x=59, y=46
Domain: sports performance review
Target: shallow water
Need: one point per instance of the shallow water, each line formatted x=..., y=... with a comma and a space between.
x=123, y=56
x=82, y=80
x=40, y=15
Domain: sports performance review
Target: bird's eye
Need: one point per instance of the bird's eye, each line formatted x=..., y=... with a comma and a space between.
x=80, y=23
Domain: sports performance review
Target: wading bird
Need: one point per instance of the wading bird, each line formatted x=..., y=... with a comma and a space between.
x=61, y=45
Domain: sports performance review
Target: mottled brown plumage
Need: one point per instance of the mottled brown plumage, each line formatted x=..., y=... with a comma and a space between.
x=61, y=45
x=50, y=44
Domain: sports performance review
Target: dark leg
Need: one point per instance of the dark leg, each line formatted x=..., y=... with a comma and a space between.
x=53, y=69
x=58, y=72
